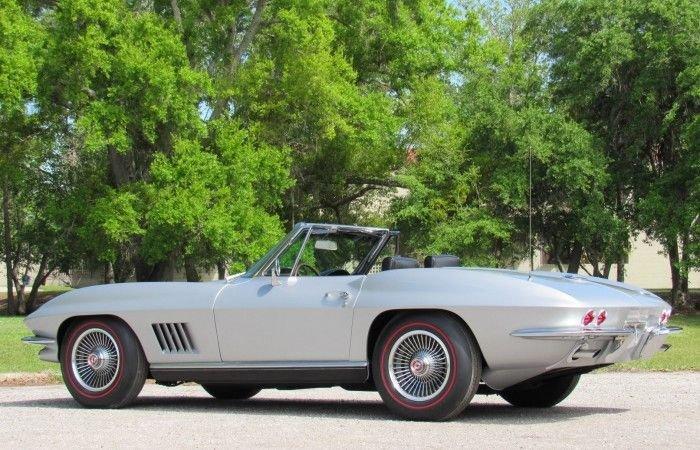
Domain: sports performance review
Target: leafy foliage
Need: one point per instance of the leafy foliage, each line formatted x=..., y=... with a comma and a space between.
x=141, y=139
x=20, y=58
x=629, y=72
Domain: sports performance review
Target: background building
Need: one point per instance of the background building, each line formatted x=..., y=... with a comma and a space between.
x=647, y=267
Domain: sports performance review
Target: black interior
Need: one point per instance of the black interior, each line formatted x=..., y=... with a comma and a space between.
x=431, y=261
x=399, y=262
x=435, y=261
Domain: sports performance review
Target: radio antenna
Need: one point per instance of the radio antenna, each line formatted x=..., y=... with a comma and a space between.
x=529, y=185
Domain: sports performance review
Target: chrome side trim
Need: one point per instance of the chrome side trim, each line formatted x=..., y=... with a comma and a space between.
x=571, y=333
x=38, y=340
x=588, y=333
x=263, y=365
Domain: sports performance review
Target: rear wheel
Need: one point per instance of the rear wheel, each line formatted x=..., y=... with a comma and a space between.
x=426, y=366
x=102, y=363
x=225, y=391
x=542, y=395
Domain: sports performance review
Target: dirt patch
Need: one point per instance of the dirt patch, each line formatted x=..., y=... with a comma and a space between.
x=29, y=379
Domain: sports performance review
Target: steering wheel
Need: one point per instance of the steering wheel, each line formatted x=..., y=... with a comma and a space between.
x=334, y=272
x=312, y=268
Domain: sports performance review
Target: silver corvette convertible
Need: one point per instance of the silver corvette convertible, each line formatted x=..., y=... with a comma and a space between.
x=333, y=305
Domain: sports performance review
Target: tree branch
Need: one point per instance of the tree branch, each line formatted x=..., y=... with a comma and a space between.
x=247, y=37
x=374, y=182
x=560, y=265
x=585, y=270
x=177, y=14
x=345, y=200
x=231, y=49
x=236, y=52
x=350, y=197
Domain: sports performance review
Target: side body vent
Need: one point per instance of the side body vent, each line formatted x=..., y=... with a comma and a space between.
x=173, y=337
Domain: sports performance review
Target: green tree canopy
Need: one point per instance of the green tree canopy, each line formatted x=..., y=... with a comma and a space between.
x=630, y=73
x=20, y=57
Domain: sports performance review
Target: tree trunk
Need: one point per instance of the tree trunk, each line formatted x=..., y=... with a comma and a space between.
x=119, y=167
x=606, y=269
x=595, y=263
x=191, y=270
x=7, y=243
x=575, y=261
x=108, y=273
x=21, y=306
x=620, y=269
x=221, y=269
x=169, y=272
x=560, y=266
x=152, y=272
x=674, y=260
x=683, y=294
x=596, y=271
x=38, y=281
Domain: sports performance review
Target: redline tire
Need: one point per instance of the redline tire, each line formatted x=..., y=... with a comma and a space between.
x=94, y=345
x=544, y=394
x=426, y=366
x=226, y=391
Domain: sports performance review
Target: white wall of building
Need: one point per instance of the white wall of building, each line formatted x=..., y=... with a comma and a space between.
x=647, y=266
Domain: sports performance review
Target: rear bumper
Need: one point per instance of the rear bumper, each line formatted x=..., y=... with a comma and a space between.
x=594, y=346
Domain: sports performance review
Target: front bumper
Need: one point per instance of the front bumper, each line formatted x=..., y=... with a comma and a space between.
x=593, y=346
x=50, y=350
x=38, y=340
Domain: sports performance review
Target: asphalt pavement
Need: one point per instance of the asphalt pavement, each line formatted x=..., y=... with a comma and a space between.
x=616, y=410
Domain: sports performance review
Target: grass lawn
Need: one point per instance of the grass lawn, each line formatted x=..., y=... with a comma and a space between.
x=16, y=356
x=684, y=353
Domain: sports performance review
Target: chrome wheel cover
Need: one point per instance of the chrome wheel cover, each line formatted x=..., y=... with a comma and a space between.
x=95, y=360
x=419, y=365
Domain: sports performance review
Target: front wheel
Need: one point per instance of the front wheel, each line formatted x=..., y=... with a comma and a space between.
x=426, y=366
x=102, y=363
x=225, y=391
x=542, y=395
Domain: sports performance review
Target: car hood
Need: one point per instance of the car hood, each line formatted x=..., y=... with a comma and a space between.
x=121, y=296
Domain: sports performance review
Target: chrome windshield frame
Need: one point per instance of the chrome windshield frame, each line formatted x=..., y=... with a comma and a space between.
x=383, y=235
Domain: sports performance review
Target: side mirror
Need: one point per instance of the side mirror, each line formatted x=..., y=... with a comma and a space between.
x=275, y=281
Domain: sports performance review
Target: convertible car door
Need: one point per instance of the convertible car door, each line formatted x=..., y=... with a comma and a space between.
x=303, y=319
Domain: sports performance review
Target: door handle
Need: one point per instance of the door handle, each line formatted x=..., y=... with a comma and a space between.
x=340, y=295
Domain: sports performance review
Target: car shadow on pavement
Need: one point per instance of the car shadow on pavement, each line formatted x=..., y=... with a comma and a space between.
x=485, y=413
x=482, y=413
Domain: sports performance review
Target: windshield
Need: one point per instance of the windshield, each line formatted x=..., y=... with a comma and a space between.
x=320, y=251
x=334, y=253
x=282, y=243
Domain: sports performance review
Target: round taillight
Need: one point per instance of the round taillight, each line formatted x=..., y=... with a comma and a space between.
x=601, y=317
x=588, y=317
x=665, y=314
